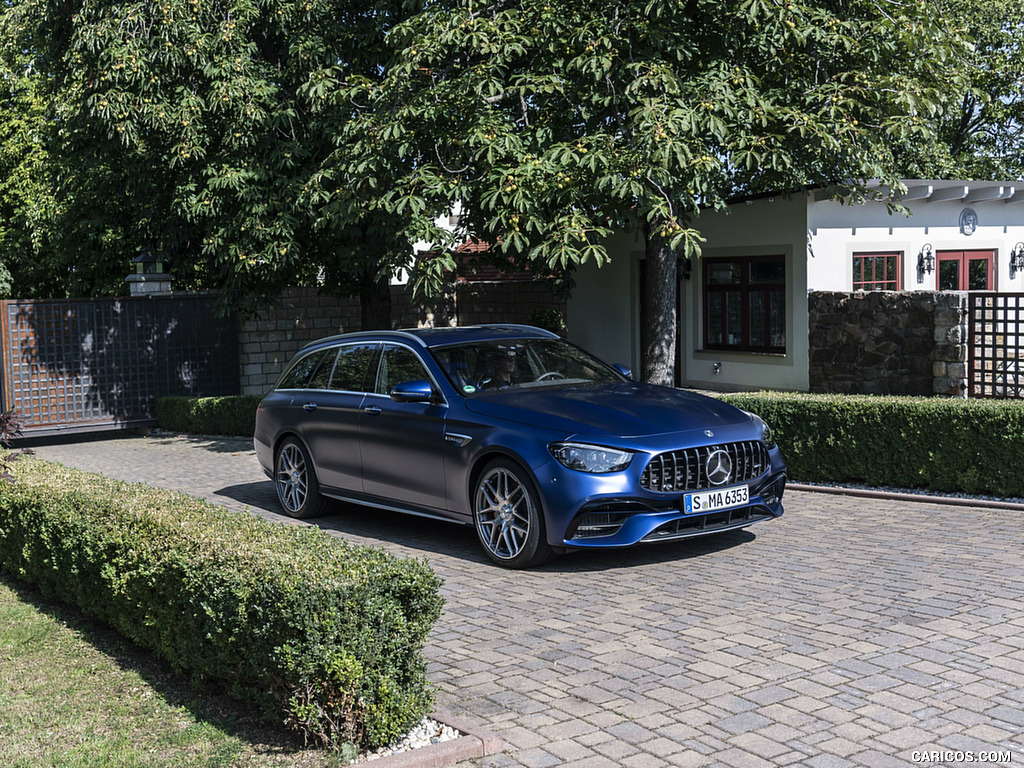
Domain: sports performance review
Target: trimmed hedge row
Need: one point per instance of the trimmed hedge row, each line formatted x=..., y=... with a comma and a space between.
x=969, y=446
x=313, y=632
x=233, y=415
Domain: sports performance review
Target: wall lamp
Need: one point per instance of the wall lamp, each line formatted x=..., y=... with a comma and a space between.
x=1016, y=259
x=925, y=262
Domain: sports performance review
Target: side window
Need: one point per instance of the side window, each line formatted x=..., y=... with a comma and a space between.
x=398, y=364
x=352, y=368
x=322, y=375
x=298, y=376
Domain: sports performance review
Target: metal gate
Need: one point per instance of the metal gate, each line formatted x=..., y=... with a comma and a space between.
x=81, y=365
x=996, y=345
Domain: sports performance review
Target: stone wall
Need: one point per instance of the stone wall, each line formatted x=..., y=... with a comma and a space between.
x=883, y=342
x=302, y=315
x=949, y=366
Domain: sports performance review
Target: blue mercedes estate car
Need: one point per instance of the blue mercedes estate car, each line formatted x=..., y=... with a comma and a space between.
x=538, y=444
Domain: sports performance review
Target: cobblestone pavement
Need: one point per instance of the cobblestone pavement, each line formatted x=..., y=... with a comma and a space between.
x=850, y=632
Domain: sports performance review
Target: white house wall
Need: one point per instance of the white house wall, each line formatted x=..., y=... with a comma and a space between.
x=818, y=238
x=602, y=315
x=764, y=227
x=836, y=232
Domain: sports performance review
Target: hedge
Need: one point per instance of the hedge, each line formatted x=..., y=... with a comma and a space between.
x=234, y=415
x=321, y=635
x=939, y=444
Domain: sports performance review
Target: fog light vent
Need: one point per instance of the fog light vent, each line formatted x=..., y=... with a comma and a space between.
x=598, y=524
x=771, y=494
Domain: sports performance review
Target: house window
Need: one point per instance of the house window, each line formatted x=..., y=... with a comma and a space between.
x=876, y=272
x=745, y=303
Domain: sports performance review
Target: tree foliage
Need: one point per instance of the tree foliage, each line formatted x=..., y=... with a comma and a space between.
x=556, y=122
x=199, y=116
x=983, y=136
x=265, y=142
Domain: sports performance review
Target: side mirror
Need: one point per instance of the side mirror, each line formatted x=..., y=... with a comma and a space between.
x=624, y=371
x=417, y=391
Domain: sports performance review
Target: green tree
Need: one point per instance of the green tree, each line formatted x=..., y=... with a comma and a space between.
x=22, y=164
x=983, y=136
x=556, y=122
x=66, y=216
x=201, y=121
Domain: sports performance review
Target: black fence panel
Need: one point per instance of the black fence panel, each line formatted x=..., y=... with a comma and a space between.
x=79, y=365
x=996, y=345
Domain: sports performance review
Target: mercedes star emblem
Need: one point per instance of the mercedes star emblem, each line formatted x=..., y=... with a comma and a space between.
x=719, y=467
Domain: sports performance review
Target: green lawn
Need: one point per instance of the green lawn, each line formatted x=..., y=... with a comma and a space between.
x=74, y=694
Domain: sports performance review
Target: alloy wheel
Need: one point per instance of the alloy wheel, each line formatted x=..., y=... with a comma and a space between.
x=292, y=478
x=504, y=513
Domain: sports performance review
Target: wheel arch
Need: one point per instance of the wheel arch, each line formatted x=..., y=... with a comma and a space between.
x=485, y=458
x=282, y=437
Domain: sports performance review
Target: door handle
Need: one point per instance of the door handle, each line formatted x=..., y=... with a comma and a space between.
x=373, y=410
x=309, y=407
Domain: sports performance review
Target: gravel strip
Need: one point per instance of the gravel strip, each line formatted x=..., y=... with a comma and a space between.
x=427, y=733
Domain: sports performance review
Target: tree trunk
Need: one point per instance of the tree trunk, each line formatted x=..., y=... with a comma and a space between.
x=659, y=295
x=375, y=303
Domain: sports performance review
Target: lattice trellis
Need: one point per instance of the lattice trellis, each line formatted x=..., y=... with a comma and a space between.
x=996, y=351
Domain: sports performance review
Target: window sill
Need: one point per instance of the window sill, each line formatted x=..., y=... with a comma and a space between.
x=718, y=352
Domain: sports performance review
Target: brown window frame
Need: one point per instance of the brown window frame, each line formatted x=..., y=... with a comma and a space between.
x=745, y=288
x=964, y=259
x=877, y=280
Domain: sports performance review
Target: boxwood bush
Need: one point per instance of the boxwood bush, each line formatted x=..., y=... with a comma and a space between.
x=969, y=446
x=233, y=415
x=321, y=635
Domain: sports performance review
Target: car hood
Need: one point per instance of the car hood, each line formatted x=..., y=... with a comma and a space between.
x=626, y=409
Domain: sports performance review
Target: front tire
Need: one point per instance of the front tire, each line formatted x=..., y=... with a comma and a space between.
x=508, y=517
x=295, y=481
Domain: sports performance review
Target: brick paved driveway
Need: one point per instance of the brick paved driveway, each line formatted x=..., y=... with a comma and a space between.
x=849, y=632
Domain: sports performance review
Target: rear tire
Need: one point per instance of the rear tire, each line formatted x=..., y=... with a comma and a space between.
x=508, y=516
x=295, y=481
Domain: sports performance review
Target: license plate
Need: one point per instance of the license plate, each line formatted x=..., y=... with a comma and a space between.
x=709, y=501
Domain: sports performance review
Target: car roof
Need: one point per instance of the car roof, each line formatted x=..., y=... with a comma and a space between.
x=439, y=337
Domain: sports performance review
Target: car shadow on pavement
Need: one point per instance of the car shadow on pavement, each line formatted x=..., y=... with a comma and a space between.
x=211, y=443
x=428, y=538
x=259, y=496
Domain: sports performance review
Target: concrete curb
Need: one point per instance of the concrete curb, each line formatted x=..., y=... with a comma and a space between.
x=474, y=742
x=867, y=493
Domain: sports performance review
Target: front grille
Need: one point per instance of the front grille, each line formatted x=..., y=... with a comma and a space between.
x=686, y=470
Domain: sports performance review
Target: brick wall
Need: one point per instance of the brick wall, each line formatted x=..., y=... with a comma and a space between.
x=267, y=343
x=504, y=302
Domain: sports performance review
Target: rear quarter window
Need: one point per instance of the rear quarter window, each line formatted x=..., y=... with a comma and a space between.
x=298, y=375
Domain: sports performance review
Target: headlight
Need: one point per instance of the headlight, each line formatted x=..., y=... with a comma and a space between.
x=766, y=431
x=595, y=459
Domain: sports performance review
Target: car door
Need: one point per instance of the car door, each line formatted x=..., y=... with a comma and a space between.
x=402, y=444
x=332, y=403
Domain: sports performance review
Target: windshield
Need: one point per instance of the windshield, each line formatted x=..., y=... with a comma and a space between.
x=484, y=366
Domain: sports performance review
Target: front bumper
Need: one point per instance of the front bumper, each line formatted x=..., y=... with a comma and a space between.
x=626, y=521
